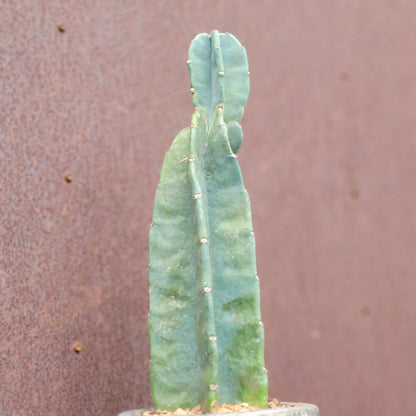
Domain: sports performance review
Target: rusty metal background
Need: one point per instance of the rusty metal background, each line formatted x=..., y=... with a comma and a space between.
x=92, y=94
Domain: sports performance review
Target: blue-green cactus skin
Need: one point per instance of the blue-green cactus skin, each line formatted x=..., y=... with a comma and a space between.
x=218, y=71
x=206, y=335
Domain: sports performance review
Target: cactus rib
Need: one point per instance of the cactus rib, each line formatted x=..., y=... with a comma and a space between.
x=207, y=350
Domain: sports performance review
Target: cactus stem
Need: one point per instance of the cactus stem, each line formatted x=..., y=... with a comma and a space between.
x=192, y=210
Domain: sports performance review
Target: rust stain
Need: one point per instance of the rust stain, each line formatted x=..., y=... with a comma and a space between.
x=355, y=193
x=69, y=177
x=344, y=76
x=365, y=311
x=77, y=347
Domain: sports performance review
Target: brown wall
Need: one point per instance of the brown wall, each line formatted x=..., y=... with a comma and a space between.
x=329, y=159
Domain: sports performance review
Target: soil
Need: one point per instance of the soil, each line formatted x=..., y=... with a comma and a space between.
x=223, y=408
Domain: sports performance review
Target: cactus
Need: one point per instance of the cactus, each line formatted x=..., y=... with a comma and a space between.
x=206, y=334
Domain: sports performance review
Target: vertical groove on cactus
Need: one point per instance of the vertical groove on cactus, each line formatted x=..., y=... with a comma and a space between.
x=208, y=352
x=217, y=71
x=206, y=336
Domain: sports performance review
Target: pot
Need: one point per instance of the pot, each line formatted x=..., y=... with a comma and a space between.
x=295, y=409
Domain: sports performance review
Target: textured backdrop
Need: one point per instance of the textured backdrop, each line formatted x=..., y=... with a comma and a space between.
x=329, y=158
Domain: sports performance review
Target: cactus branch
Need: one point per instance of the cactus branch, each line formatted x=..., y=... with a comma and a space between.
x=218, y=72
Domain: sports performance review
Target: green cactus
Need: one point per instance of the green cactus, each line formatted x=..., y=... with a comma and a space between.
x=206, y=334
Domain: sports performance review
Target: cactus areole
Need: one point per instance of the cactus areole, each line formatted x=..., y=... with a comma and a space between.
x=206, y=334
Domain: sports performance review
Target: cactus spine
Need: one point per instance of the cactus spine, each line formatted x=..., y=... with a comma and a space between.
x=206, y=335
